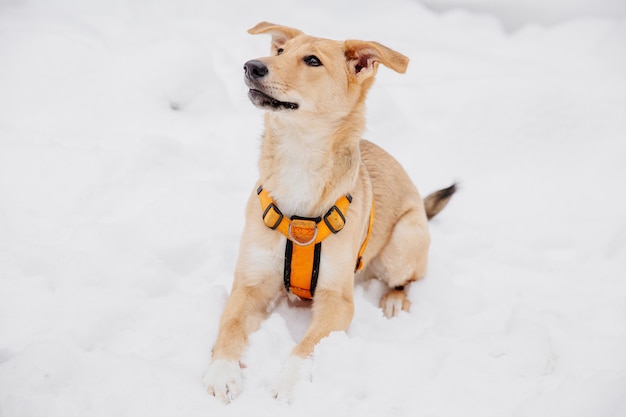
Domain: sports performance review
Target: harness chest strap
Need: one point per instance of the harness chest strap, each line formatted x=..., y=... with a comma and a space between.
x=304, y=241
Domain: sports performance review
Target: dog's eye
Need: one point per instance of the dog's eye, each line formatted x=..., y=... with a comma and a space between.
x=312, y=61
x=279, y=51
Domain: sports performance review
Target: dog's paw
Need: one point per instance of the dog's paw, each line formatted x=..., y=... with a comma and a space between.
x=393, y=302
x=224, y=380
x=293, y=372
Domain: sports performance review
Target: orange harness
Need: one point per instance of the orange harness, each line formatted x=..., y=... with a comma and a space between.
x=304, y=241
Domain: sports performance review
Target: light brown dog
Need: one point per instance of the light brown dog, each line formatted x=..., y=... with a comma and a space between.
x=313, y=91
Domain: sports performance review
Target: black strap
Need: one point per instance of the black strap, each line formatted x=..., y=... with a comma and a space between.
x=316, y=267
x=287, y=271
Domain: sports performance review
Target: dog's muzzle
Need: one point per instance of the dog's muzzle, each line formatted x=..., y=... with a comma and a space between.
x=254, y=71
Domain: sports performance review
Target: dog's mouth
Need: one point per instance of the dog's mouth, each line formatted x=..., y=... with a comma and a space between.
x=262, y=100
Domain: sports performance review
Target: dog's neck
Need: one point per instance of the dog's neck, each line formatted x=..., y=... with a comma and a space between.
x=306, y=165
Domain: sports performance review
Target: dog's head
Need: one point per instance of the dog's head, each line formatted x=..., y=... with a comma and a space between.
x=312, y=75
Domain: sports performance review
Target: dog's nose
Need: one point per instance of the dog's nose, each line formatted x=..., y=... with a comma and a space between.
x=255, y=69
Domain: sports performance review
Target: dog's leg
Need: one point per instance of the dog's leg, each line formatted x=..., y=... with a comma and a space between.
x=402, y=261
x=332, y=311
x=245, y=310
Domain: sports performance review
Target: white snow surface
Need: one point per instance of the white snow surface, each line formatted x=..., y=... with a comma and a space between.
x=516, y=13
x=128, y=149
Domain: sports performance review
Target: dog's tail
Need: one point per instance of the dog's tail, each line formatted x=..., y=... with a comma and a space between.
x=435, y=202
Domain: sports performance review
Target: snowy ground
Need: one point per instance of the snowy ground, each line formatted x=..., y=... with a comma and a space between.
x=516, y=13
x=128, y=148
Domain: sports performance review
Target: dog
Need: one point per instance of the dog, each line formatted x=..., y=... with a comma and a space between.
x=321, y=186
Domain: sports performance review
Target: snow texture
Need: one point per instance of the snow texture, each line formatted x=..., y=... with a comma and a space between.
x=128, y=148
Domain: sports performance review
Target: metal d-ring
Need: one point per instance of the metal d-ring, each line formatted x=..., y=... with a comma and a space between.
x=294, y=240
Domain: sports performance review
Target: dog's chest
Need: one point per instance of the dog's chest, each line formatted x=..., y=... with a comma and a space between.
x=301, y=172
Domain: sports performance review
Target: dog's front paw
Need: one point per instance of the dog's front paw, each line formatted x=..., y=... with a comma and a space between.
x=393, y=302
x=224, y=380
x=293, y=372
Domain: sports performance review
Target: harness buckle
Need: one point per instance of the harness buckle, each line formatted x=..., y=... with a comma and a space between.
x=334, y=219
x=272, y=216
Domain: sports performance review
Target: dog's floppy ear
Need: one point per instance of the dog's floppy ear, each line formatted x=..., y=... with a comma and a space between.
x=363, y=58
x=280, y=34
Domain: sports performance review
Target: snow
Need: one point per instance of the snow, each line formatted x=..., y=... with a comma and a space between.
x=127, y=151
x=516, y=13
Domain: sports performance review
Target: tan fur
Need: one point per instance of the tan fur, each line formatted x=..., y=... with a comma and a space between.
x=310, y=156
